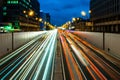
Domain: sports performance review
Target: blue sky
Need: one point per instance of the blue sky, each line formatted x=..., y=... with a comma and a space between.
x=62, y=11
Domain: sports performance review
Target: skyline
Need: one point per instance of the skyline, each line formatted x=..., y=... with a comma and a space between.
x=62, y=11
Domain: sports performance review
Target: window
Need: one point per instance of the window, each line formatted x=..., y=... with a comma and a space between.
x=12, y=2
x=4, y=13
x=8, y=2
x=4, y=8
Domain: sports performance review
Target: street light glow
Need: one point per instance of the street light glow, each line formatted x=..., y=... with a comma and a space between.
x=40, y=19
x=78, y=18
x=36, y=18
x=73, y=19
x=31, y=13
x=69, y=22
x=45, y=22
x=90, y=11
x=24, y=11
x=83, y=13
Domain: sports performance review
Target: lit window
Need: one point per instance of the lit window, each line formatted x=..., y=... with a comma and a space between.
x=27, y=3
x=24, y=0
x=5, y=8
x=4, y=13
x=31, y=6
x=8, y=2
x=16, y=23
x=14, y=2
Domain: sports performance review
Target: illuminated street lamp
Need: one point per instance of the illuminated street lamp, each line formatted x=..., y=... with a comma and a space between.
x=45, y=22
x=31, y=13
x=83, y=13
x=24, y=12
x=78, y=19
x=69, y=22
x=40, y=19
x=90, y=11
x=73, y=19
x=36, y=18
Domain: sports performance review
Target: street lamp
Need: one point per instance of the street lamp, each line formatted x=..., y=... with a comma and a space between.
x=24, y=12
x=36, y=18
x=31, y=13
x=90, y=11
x=83, y=13
x=40, y=19
x=73, y=19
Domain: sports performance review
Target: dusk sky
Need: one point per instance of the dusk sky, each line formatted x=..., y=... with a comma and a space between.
x=62, y=11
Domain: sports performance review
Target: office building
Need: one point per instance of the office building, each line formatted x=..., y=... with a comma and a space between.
x=81, y=24
x=106, y=15
x=22, y=14
x=45, y=19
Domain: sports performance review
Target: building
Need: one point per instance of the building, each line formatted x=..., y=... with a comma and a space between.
x=81, y=24
x=22, y=14
x=45, y=19
x=106, y=15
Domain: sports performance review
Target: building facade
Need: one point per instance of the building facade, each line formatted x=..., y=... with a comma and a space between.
x=106, y=15
x=45, y=19
x=22, y=14
x=81, y=24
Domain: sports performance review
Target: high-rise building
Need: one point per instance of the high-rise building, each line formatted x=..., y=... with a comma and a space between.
x=45, y=18
x=48, y=17
x=22, y=14
x=106, y=15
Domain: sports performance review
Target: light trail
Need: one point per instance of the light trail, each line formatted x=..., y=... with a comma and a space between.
x=91, y=61
x=39, y=53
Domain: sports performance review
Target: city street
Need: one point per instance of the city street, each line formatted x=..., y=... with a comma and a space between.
x=60, y=40
x=34, y=60
x=59, y=54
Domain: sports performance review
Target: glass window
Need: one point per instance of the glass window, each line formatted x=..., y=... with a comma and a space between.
x=4, y=13
x=8, y=2
x=12, y=2
x=4, y=8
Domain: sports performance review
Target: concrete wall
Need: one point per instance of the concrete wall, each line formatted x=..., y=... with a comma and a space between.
x=23, y=37
x=5, y=43
x=112, y=41
x=94, y=38
x=19, y=38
